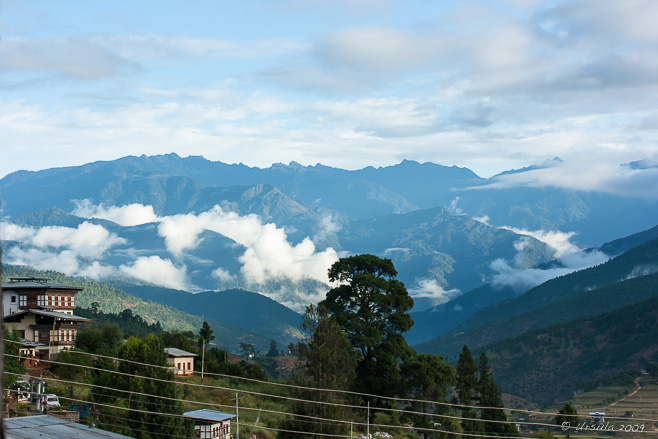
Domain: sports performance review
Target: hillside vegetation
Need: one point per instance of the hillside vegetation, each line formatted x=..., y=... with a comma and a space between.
x=549, y=364
x=113, y=300
x=620, y=281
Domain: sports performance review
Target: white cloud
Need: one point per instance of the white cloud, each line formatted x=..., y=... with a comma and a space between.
x=65, y=261
x=587, y=175
x=328, y=227
x=642, y=270
x=71, y=57
x=222, y=275
x=381, y=48
x=568, y=258
x=455, y=208
x=558, y=241
x=430, y=288
x=180, y=47
x=87, y=240
x=128, y=215
x=272, y=256
x=269, y=254
x=522, y=279
x=158, y=271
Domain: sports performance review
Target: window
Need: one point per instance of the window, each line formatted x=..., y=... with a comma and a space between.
x=73, y=301
x=66, y=301
x=13, y=299
x=59, y=301
x=189, y=365
x=23, y=301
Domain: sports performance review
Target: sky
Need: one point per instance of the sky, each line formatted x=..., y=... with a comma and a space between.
x=490, y=86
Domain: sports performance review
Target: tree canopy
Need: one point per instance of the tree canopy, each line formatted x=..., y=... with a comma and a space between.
x=372, y=307
x=369, y=303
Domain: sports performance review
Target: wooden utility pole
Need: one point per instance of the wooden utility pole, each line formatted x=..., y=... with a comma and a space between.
x=203, y=356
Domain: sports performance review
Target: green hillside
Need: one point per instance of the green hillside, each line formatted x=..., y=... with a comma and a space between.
x=549, y=364
x=614, y=270
x=586, y=304
x=587, y=292
x=113, y=300
x=245, y=309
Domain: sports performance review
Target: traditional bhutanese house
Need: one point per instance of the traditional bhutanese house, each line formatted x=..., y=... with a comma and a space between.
x=23, y=293
x=28, y=352
x=50, y=331
x=182, y=361
x=210, y=424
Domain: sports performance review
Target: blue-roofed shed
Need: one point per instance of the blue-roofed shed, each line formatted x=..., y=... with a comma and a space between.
x=211, y=424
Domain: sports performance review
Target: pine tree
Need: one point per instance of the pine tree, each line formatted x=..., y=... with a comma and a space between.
x=467, y=382
x=491, y=403
x=330, y=363
x=149, y=416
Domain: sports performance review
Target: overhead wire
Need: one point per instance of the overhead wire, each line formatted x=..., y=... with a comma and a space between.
x=316, y=402
x=334, y=391
x=352, y=406
x=362, y=424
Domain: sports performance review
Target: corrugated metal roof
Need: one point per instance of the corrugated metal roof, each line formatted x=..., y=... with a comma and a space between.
x=34, y=284
x=54, y=314
x=38, y=427
x=175, y=352
x=208, y=415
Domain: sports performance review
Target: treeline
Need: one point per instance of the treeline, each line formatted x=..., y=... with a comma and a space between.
x=130, y=323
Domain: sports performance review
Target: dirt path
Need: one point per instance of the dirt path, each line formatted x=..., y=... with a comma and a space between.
x=638, y=386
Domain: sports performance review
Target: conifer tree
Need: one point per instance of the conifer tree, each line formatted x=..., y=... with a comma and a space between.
x=491, y=403
x=467, y=382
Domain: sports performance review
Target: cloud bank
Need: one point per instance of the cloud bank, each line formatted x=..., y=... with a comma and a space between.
x=268, y=255
x=569, y=258
x=430, y=288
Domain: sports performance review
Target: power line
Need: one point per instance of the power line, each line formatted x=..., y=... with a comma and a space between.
x=334, y=391
x=297, y=399
x=351, y=406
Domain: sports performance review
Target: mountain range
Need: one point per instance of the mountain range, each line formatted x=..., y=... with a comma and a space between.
x=458, y=241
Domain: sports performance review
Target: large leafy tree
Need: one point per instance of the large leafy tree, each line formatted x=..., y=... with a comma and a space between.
x=372, y=307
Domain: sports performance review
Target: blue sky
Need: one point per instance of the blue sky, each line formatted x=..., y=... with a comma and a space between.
x=490, y=85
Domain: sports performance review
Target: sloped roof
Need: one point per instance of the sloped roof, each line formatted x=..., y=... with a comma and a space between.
x=38, y=427
x=32, y=283
x=53, y=314
x=208, y=415
x=174, y=352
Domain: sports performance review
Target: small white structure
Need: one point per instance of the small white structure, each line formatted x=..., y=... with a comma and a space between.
x=182, y=361
x=597, y=417
x=210, y=424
